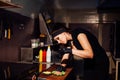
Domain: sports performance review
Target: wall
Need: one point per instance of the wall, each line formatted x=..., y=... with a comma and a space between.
x=75, y=4
x=21, y=35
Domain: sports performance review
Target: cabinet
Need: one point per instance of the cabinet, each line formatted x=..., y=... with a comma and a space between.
x=17, y=71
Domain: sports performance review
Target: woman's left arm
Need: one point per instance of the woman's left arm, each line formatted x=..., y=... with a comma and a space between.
x=87, y=51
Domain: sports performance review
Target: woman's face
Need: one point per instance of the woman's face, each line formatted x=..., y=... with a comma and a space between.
x=61, y=38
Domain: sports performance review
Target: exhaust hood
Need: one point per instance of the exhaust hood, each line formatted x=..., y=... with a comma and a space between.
x=109, y=6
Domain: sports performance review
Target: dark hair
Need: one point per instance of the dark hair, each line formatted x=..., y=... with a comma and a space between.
x=58, y=28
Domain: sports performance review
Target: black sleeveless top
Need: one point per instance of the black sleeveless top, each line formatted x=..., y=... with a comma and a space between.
x=100, y=58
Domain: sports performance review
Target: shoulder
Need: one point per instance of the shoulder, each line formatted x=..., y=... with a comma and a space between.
x=77, y=31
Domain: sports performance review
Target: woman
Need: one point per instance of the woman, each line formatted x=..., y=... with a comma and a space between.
x=83, y=45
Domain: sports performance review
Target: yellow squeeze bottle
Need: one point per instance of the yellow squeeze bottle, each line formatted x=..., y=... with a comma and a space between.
x=40, y=60
x=40, y=55
x=40, y=67
x=9, y=33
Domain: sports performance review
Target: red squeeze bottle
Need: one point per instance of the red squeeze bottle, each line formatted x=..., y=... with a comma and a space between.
x=43, y=67
x=44, y=56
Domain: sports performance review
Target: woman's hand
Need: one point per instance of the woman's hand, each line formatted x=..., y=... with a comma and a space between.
x=65, y=50
x=34, y=77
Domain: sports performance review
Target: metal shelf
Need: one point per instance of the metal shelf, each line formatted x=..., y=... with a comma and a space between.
x=4, y=4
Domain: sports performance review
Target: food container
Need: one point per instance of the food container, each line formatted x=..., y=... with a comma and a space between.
x=34, y=43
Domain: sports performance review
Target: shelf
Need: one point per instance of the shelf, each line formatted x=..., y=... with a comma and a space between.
x=9, y=5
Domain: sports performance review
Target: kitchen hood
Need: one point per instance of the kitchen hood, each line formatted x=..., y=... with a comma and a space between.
x=109, y=6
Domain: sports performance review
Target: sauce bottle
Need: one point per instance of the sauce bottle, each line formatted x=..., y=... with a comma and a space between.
x=44, y=56
x=40, y=55
x=48, y=54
